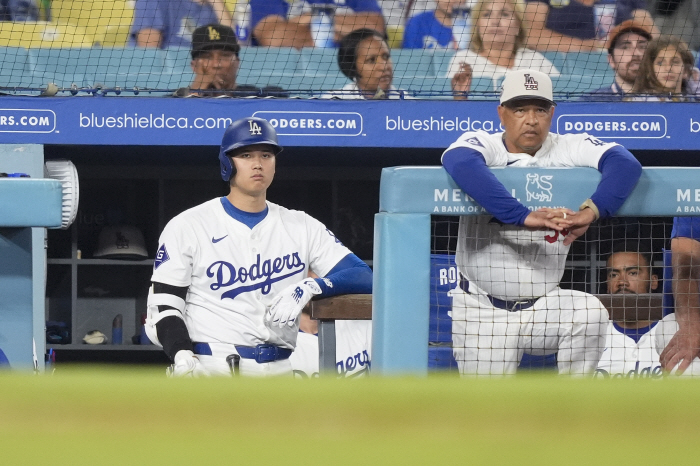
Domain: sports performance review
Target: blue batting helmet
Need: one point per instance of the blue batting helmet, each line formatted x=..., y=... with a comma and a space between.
x=241, y=133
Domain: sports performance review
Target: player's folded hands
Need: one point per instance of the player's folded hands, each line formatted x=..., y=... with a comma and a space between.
x=287, y=305
x=186, y=364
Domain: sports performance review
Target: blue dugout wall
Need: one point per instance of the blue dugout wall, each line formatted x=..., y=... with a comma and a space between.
x=410, y=195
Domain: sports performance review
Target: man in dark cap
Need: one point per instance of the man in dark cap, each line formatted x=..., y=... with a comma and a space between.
x=215, y=64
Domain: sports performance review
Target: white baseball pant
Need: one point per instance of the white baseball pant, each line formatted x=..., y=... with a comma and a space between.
x=490, y=340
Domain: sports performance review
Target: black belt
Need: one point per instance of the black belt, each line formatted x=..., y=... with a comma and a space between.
x=261, y=353
x=510, y=306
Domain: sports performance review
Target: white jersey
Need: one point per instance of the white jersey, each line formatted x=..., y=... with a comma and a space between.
x=509, y=261
x=623, y=357
x=233, y=272
x=353, y=341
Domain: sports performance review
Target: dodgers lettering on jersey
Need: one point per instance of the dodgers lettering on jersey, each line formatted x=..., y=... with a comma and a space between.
x=234, y=272
x=271, y=271
x=625, y=358
x=509, y=261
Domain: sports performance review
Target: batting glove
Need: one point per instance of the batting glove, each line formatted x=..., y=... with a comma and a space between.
x=187, y=365
x=287, y=305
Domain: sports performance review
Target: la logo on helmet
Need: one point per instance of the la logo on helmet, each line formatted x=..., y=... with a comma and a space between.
x=254, y=128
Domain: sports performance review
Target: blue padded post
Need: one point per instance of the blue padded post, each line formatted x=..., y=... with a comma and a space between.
x=401, y=294
x=24, y=204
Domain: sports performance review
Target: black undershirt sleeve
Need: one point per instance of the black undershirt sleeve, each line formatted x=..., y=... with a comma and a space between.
x=172, y=331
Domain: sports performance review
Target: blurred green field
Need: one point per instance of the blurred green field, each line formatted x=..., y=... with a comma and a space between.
x=137, y=416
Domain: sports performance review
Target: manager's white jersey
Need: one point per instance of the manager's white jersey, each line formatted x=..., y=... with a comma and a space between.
x=233, y=272
x=623, y=357
x=509, y=261
x=353, y=340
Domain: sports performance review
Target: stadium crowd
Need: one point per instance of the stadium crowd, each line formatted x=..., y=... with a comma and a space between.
x=481, y=39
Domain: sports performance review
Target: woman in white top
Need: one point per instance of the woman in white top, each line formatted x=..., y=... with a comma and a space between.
x=497, y=45
x=364, y=57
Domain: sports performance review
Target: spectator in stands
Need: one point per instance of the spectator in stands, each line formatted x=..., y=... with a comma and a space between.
x=170, y=23
x=630, y=349
x=215, y=63
x=626, y=45
x=283, y=23
x=432, y=29
x=665, y=70
x=364, y=57
x=498, y=45
x=19, y=10
x=579, y=26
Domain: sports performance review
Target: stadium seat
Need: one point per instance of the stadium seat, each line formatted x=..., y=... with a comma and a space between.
x=43, y=34
x=318, y=61
x=441, y=61
x=586, y=63
x=15, y=70
x=411, y=62
x=394, y=36
x=86, y=67
x=107, y=22
x=277, y=61
x=558, y=59
x=307, y=85
x=570, y=86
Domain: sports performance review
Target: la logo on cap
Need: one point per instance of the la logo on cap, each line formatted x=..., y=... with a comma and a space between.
x=530, y=83
x=255, y=129
x=213, y=34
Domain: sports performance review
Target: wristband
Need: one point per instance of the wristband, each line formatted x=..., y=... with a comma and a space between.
x=588, y=204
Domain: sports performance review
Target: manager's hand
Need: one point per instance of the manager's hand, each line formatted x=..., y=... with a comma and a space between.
x=682, y=349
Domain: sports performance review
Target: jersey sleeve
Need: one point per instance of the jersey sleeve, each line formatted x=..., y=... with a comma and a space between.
x=686, y=227
x=147, y=15
x=325, y=250
x=177, y=248
x=412, y=38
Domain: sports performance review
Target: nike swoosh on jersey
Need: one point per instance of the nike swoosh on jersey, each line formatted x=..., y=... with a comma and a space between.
x=216, y=240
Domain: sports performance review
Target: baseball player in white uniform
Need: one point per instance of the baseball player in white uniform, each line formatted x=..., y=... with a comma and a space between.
x=511, y=261
x=231, y=275
x=630, y=344
x=353, y=339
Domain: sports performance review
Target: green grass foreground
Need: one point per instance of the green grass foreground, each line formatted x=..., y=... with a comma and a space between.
x=122, y=416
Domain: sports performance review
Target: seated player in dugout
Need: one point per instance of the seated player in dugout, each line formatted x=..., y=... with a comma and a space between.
x=215, y=63
x=231, y=275
x=630, y=345
x=287, y=23
x=511, y=261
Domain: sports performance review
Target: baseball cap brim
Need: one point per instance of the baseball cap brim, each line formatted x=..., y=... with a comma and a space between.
x=629, y=25
x=528, y=97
